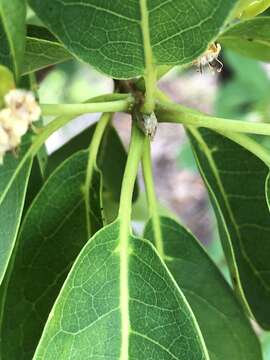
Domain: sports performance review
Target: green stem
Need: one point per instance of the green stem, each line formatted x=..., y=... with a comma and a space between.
x=134, y=156
x=169, y=112
x=92, y=159
x=151, y=197
x=78, y=109
x=150, y=69
x=237, y=137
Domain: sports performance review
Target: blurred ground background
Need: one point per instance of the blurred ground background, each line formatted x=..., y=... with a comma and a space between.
x=240, y=92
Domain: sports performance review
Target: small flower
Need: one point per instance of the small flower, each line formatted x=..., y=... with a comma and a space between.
x=23, y=105
x=20, y=111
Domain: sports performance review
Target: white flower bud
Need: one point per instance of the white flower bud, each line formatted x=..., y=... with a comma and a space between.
x=23, y=105
x=15, y=127
x=21, y=110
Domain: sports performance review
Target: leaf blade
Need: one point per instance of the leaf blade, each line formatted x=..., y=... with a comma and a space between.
x=249, y=38
x=45, y=238
x=227, y=168
x=217, y=311
x=14, y=178
x=143, y=330
x=42, y=50
x=13, y=32
x=122, y=53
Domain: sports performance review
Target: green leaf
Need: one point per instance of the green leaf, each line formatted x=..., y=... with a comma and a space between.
x=120, y=37
x=12, y=34
x=235, y=179
x=13, y=184
x=51, y=236
x=42, y=50
x=249, y=38
x=215, y=307
x=266, y=345
x=97, y=316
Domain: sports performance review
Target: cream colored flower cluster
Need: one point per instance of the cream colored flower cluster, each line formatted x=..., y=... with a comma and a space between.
x=20, y=110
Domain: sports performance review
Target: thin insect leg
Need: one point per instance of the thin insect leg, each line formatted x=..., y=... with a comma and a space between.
x=221, y=65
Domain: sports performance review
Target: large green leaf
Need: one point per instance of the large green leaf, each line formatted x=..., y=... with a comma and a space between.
x=225, y=328
x=42, y=50
x=249, y=38
x=119, y=37
x=120, y=305
x=12, y=34
x=13, y=184
x=52, y=234
x=235, y=179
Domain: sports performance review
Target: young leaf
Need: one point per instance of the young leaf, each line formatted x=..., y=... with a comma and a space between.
x=98, y=315
x=249, y=38
x=120, y=38
x=13, y=184
x=12, y=34
x=42, y=50
x=51, y=236
x=235, y=179
x=215, y=307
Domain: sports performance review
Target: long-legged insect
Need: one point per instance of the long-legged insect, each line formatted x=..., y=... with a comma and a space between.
x=210, y=58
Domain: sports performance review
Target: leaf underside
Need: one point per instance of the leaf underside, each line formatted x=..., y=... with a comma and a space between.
x=52, y=234
x=42, y=50
x=85, y=322
x=225, y=328
x=108, y=34
x=235, y=179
